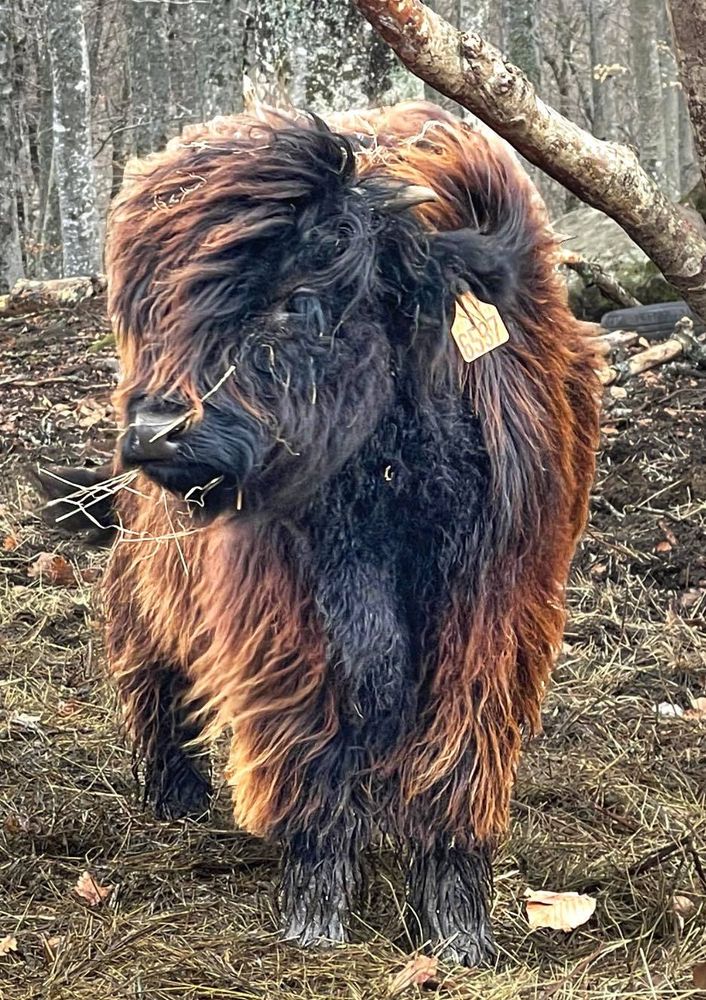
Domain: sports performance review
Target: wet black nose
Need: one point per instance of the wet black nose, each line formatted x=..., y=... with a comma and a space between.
x=153, y=436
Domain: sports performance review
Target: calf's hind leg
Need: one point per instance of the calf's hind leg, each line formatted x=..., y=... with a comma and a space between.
x=448, y=889
x=176, y=776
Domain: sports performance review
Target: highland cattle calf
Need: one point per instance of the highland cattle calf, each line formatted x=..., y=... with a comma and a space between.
x=350, y=535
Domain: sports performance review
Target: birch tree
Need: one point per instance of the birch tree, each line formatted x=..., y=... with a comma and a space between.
x=11, y=267
x=73, y=153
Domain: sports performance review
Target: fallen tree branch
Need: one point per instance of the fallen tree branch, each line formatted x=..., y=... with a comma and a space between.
x=54, y=291
x=604, y=174
x=617, y=339
x=593, y=274
x=681, y=343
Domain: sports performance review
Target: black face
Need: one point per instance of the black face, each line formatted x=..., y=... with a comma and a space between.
x=207, y=461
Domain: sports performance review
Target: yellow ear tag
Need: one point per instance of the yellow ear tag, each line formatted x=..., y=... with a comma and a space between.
x=477, y=327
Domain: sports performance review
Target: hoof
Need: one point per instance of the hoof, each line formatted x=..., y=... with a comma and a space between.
x=467, y=949
x=312, y=927
x=314, y=932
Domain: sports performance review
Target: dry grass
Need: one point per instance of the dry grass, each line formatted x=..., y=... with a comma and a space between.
x=611, y=800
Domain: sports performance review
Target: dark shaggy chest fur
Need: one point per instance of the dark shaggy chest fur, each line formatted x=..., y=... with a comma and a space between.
x=381, y=542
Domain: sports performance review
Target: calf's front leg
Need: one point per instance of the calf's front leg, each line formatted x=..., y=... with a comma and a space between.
x=176, y=780
x=322, y=885
x=448, y=890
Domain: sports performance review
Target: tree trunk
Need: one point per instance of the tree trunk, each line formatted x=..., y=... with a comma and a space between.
x=149, y=73
x=48, y=230
x=11, y=267
x=670, y=104
x=225, y=74
x=648, y=87
x=318, y=56
x=605, y=175
x=522, y=37
x=689, y=26
x=190, y=53
x=601, y=82
x=73, y=154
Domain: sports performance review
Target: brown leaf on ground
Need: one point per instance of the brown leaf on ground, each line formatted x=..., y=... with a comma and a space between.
x=69, y=707
x=422, y=970
x=8, y=944
x=52, y=946
x=683, y=906
x=16, y=823
x=91, y=891
x=698, y=974
x=697, y=710
x=668, y=533
x=10, y=542
x=664, y=546
x=53, y=568
x=691, y=597
x=562, y=911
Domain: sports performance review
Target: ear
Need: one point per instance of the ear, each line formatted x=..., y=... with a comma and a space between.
x=482, y=262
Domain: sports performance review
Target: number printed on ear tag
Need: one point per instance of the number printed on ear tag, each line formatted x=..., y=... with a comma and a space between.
x=477, y=327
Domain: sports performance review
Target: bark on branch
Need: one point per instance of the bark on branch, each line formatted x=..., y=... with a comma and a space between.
x=604, y=174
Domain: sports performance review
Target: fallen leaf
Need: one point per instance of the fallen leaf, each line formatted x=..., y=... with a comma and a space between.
x=69, y=707
x=668, y=533
x=683, y=906
x=51, y=946
x=10, y=543
x=49, y=566
x=16, y=823
x=562, y=911
x=699, y=975
x=618, y=392
x=422, y=970
x=691, y=597
x=697, y=710
x=8, y=944
x=599, y=570
x=91, y=891
x=664, y=546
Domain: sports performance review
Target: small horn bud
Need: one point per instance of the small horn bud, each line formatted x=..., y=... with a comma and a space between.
x=398, y=198
x=408, y=197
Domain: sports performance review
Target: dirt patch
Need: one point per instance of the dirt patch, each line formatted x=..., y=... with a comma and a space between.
x=610, y=800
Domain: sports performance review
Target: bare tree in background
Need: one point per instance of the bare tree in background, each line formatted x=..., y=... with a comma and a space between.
x=689, y=23
x=522, y=37
x=11, y=267
x=149, y=72
x=158, y=64
x=644, y=15
x=73, y=152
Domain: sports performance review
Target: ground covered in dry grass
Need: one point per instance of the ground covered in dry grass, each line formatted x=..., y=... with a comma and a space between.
x=610, y=801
